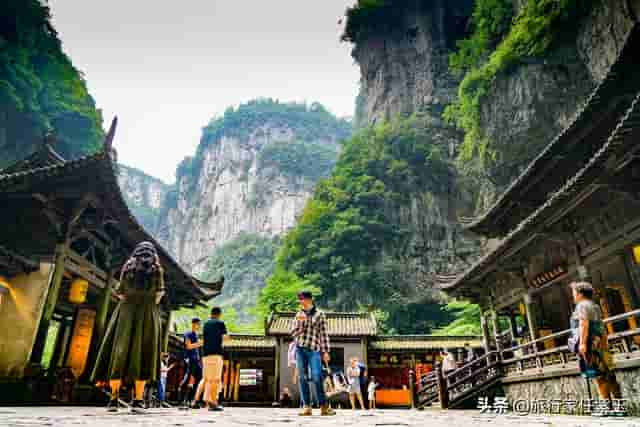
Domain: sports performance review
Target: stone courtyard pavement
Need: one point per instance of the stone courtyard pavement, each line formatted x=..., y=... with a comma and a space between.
x=255, y=417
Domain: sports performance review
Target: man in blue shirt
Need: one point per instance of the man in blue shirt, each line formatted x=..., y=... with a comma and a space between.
x=193, y=373
x=363, y=379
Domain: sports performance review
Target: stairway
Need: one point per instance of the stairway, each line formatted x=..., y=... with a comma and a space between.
x=457, y=387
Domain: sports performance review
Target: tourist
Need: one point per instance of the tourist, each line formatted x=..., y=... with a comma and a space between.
x=448, y=362
x=193, y=374
x=164, y=372
x=590, y=338
x=355, y=386
x=213, y=333
x=291, y=360
x=312, y=347
x=363, y=379
x=201, y=391
x=286, y=401
x=131, y=344
x=371, y=392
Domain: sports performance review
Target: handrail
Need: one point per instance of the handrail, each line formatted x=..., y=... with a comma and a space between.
x=478, y=372
x=623, y=334
x=474, y=373
x=473, y=362
x=562, y=333
x=622, y=316
x=536, y=355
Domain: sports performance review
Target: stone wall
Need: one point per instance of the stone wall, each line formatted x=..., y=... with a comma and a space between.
x=574, y=387
x=20, y=314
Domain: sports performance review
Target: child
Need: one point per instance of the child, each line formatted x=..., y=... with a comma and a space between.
x=371, y=391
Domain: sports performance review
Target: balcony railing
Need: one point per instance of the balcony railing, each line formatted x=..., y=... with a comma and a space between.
x=527, y=357
x=521, y=360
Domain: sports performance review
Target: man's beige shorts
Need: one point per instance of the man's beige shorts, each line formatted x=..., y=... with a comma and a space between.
x=212, y=367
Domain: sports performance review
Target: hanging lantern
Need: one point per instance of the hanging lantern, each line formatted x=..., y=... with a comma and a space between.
x=636, y=254
x=78, y=291
x=4, y=288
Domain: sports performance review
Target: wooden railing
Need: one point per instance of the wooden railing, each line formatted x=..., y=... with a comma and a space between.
x=453, y=387
x=528, y=357
x=468, y=380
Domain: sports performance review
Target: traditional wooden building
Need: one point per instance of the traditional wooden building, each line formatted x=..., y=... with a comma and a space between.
x=573, y=213
x=66, y=233
x=257, y=368
x=350, y=334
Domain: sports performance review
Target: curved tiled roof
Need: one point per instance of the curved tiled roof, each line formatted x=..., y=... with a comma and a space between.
x=423, y=342
x=338, y=324
x=622, y=78
x=238, y=342
x=103, y=166
x=622, y=142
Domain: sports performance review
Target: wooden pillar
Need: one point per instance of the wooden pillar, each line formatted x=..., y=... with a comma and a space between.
x=496, y=329
x=236, y=386
x=50, y=303
x=633, y=285
x=531, y=319
x=276, y=379
x=443, y=393
x=365, y=351
x=103, y=308
x=485, y=332
x=100, y=325
x=412, y=380
x=64, y=335
x=512, y=325
x=166, y=332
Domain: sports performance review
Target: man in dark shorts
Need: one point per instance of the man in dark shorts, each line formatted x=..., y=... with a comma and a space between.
x=213, y=334
x=193, y=374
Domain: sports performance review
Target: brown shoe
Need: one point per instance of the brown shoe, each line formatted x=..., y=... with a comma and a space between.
x=306, y=412
x=326, y=410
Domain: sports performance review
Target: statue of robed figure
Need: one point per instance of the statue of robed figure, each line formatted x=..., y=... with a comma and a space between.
x=130, y=349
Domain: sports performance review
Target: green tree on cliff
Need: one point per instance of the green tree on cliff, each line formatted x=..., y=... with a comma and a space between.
x=40, y=90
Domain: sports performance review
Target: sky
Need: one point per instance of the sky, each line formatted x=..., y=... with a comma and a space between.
x=165, y=68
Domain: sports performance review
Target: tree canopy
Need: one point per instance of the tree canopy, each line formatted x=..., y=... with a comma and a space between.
x=40, y=89
x=344, y=230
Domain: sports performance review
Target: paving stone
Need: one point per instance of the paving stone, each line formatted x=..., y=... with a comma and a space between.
x=269, y=417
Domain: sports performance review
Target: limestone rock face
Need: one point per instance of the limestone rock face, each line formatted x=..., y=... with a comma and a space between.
x=528, y=106
x=144, y=195
x=230, y=194
x=405, y=70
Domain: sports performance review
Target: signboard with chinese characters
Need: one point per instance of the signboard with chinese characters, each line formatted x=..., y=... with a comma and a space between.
x=543, y=278
x=81, y=341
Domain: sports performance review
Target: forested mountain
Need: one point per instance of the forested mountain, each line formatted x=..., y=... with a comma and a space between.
x=40, y=90
x=251, y=175
x=456, y=98
x=144, y=195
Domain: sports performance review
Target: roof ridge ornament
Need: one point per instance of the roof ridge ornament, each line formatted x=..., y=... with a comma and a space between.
x=108, y=140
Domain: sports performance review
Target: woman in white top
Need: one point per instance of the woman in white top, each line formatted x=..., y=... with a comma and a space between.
x=353, y=374
x=371, y=391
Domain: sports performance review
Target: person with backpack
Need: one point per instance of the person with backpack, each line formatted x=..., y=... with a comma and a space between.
x=589, y=341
